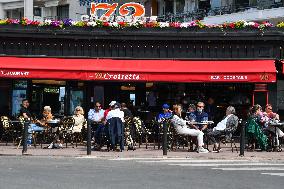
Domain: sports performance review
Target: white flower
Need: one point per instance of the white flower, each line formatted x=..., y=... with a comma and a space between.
x=74, y=23
x=47, y=22
x=164, y=24
x=249, y=23
x=114, y=24
x=93, y=24
x=184, y=25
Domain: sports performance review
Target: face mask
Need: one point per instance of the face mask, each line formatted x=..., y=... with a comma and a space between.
x=199, y=110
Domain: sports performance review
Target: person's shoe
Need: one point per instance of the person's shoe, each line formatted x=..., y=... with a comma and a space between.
x=202, y=150
x=50, y=146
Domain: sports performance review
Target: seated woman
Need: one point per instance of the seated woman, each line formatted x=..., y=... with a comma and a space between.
x=227, y=126
x=182, y=128
x=46, y=116
x=273, y=116
x=254, y=128
x=79, y=120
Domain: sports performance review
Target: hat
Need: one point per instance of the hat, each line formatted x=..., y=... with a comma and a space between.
x=117, y=105
x=165, y=106
x=112, y=103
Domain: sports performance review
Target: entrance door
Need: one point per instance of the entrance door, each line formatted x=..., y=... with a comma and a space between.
x=51, y=98
x=48, y=93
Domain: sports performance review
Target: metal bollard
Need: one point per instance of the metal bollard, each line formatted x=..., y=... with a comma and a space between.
x=89, y=132
x=242, y=142
x=165, y=138
x=25, y=137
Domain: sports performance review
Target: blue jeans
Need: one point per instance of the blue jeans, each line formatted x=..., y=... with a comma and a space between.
x=33, y=128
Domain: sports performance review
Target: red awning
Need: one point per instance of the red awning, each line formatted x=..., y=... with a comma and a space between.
x=139, y=70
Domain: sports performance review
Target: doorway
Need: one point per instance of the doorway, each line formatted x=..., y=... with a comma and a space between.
x=48, y=93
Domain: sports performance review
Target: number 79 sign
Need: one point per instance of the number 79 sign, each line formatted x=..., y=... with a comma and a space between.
x=124, y=10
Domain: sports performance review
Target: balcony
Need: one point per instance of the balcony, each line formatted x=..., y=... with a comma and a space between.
x=273, y=12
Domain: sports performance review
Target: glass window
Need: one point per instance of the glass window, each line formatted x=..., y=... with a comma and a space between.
x=63, y=12
x=18, y=96
x=169, y=6
x=180, y=6
x=76, y=99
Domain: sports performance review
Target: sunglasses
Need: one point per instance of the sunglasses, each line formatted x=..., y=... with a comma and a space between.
x=200, y=106
x=77, y=110
x=269, y=108
x=98, y=106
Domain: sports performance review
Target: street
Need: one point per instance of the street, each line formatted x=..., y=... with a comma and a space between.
x=82, y=172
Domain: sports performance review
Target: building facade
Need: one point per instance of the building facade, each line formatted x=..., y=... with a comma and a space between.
x=146, y=66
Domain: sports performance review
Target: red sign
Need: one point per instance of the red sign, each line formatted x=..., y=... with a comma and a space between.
x=124, y=10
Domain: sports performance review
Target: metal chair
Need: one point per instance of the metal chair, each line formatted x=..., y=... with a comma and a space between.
x=141, y=131
x=11, y=131
x=129, y=133
x=67, y=123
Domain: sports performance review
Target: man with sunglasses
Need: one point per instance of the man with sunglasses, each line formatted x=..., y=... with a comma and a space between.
x=199, y=116
x=96, y=118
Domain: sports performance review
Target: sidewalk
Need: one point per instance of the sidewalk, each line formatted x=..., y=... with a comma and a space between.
x=81, y=151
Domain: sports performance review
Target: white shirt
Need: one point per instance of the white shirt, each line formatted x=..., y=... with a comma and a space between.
x=115, y=113
x=96, y=116
x=178, y=122
x=221, y=126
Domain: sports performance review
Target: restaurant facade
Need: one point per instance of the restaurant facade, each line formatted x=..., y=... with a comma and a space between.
x=145, y=67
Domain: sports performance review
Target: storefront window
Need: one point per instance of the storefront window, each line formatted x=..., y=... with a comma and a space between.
x=76, y=99
x=169, y=6
x=19, y=93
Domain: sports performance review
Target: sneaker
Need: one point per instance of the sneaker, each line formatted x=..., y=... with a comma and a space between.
x=50, y=146
x=202, y=150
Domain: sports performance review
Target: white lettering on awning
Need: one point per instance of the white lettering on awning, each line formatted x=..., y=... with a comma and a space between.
x=14, y=73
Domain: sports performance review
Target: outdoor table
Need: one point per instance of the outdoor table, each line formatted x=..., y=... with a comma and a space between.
x=200, y=123
x=53, y=123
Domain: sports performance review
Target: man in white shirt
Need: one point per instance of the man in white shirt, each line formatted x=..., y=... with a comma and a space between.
x=96, y=114
x=96, y=118
x=227, y=125
x=116, y=128
x=115, y=112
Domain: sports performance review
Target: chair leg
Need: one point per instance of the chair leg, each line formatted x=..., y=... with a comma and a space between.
x=233, y=141
x=35, y=139
x=19, y=144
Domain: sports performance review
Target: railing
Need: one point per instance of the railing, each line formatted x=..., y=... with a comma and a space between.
x=201, y=13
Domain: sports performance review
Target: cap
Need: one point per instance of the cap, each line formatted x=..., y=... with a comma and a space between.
x=112, y=103
x=165, y=106
x=117, y=105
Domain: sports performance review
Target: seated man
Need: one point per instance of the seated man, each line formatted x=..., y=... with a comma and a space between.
x=227, y=126
x=182, y=129
x=199, y=116
x=190, y=116
x=25, y=113
x=96, y=118
x=166, y=114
